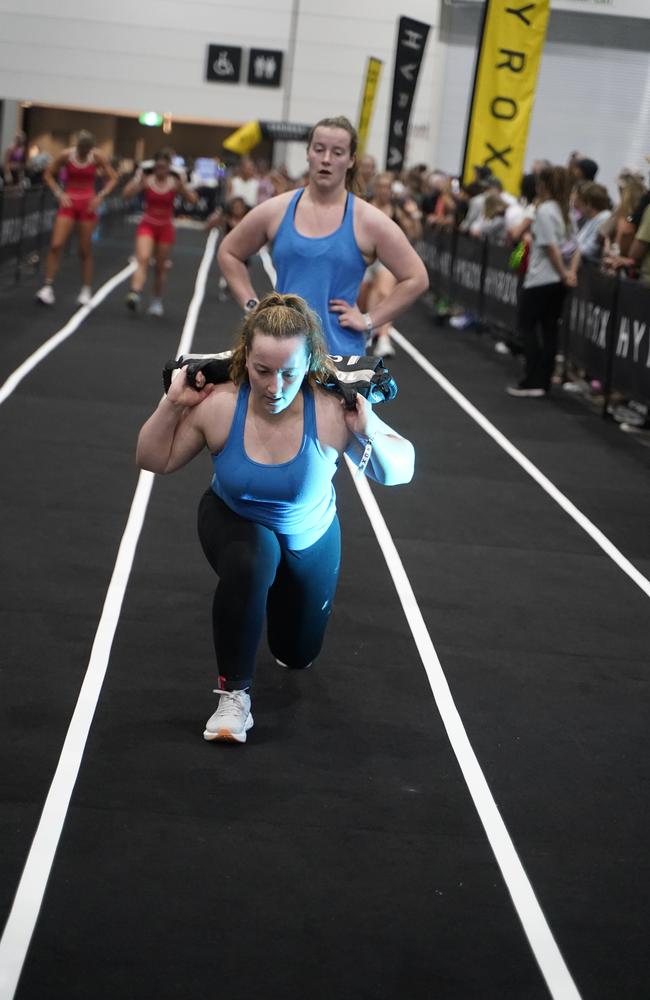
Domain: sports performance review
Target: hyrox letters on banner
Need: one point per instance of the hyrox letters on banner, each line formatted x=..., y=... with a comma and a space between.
x=510, y=51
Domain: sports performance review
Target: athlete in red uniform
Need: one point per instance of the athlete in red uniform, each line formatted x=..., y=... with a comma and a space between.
x=78, y=204
x=155, y=234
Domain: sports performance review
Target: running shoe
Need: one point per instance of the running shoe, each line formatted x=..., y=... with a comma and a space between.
x=84, y=296
x=45, y=295
x=133, y=301
x=522, y=392
x=461, y=322
x=287, y=667
x=222, y=293
x=233, y=718
x=155, y=308
x=382, y=347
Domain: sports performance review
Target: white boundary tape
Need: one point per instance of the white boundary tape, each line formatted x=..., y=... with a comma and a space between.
x=66, y=331
x=567, y=506
x=546, y=952
x=31, y=889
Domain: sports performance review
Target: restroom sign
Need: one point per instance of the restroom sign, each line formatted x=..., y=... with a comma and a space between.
x=265, y=67
x=224, y=63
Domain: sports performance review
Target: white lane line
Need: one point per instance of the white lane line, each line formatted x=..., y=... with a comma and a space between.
x=66, y=331
x=29, y=895
x=541, y=940
x=595, y=533
x=546, y=952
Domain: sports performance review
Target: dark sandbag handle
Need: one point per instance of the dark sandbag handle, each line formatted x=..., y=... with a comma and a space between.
x=355, y=374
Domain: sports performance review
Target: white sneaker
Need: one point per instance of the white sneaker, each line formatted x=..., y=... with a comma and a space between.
x=45, y=295
x=287, y=667
x=233, y=718
x=382, y=347
x=155, y=308
x=523, y=393
x=84, y=296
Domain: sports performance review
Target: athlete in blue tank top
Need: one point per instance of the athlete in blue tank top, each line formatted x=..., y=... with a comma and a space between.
x=322, y=239
x=322, y=268
x=295, y=499
x=268, y=524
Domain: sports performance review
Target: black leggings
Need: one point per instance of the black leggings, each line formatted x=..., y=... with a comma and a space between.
x=540, y=309
x=259, y=577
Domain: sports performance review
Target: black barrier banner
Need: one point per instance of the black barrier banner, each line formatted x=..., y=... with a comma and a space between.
x=587, y=320
x=467, y=273
x=500, y=289
x=631, y=335
x=606, y=322
x=437, y=252
x=411, y=39
x=26, y=217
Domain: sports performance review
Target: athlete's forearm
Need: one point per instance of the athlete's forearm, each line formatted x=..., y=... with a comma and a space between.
x=108, y=186
x=52, y=183
x=402, y=296
x=236, y=274
x=392, y=459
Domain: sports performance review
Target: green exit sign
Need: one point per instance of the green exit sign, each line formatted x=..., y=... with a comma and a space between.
x=150, y=118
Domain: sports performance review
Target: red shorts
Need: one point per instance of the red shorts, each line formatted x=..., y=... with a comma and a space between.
x=160, y=232
x=78, y=210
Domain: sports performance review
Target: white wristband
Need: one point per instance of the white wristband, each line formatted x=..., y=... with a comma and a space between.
x=369, y=327
x=365, y=458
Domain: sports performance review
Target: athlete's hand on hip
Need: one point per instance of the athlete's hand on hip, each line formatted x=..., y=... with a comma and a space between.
x=350, y=316
x=182, y=394
x=65, y=201
x=361, y=420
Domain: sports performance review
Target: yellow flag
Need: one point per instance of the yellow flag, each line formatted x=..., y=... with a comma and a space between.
x=504, y=88
x=243, y=139
x=373, y=72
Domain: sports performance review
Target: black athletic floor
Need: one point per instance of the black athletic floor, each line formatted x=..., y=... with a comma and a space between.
x=338, y=854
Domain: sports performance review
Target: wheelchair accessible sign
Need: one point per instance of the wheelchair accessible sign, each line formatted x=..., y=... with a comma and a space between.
x=224, y=63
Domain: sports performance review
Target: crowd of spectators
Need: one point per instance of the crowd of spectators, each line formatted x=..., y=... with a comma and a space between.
x=591, y=226
x=610, y=230
x=23, y=165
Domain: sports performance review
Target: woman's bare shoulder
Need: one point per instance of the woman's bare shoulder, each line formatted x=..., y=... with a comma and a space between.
x=332, y=429
x=214, y=415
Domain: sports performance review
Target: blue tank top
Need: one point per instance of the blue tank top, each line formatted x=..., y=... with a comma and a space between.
x=296, y=499
x=320, y=268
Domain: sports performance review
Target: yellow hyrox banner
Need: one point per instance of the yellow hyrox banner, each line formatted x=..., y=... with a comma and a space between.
x=504, y=88
x=243, y=139
x=373, y=72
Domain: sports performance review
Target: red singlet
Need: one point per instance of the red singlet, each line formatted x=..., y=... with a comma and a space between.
x=80, y=187
x=157, y=221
